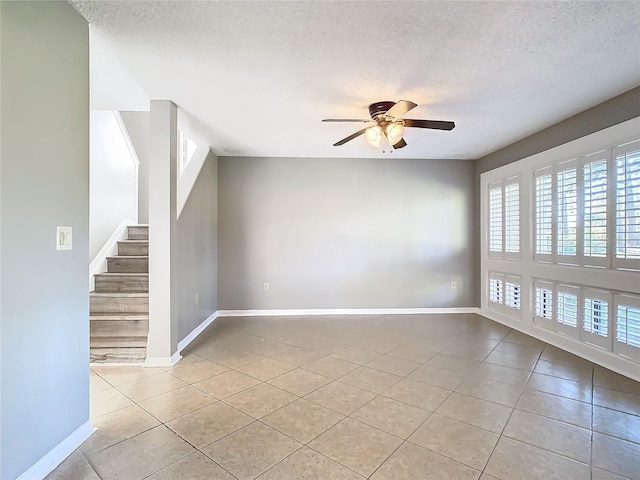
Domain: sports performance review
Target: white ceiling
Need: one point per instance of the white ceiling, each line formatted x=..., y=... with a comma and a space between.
x=259, y=76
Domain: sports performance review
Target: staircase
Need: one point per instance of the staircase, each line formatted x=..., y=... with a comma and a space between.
x=119, y=306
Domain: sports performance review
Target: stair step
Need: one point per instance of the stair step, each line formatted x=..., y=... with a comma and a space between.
x=133, y=247
x=118, y=355
x=120, y=302
x=128, y=264
x=138, y=232
x=135, y=326
x=122, y=282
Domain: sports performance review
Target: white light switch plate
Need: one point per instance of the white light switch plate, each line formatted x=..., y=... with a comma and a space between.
x=64, y=238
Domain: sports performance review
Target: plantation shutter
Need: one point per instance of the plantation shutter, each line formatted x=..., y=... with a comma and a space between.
x=594, y=216
x=627, y=193
x=495, y=220
x=567, y=213
x=544, y=214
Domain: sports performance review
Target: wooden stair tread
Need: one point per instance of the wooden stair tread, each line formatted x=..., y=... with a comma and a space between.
x=118, y=257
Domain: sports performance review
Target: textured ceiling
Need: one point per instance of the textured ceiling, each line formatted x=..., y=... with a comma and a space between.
x=259, y=76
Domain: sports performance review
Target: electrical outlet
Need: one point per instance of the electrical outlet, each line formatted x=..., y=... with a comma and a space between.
x=454, y=285
x=197, y=298
x=265, y=287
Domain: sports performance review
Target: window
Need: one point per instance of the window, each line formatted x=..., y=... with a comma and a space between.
x=495, y=219
x=543, y=304
x=186, y=150
x=594, y=215
x=544, y=214
x=627, y=193
x=504, y=219
x=627, y=334
x=595, y=318
x=512, y=293
x=512, y=218
x=495, y=290
x=567, y=309
x=567, y=213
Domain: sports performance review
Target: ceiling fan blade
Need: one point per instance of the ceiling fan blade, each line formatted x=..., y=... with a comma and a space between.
x=400, y=144
x=349, y=138
x=433, y=124
x=346, y=120
x=400, y=108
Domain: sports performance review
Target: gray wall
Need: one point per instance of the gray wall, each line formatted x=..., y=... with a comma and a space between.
x=615, y=110
x=137, y=124
x=345, y=233
x=197, y=251
x=44, y=182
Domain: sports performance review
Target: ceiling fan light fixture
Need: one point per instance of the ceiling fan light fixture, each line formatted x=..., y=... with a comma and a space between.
x=374, y=135
x=394, y=132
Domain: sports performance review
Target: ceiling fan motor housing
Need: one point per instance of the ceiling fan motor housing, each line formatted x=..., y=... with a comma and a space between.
x=380, y=108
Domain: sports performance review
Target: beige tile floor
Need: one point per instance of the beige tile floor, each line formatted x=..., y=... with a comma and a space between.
x=381, y=397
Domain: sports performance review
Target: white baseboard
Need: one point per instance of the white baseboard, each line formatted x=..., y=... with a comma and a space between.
x=182, y=344
x=593, y=354
x=162, y=361
x=56, y=456
x=345, y=311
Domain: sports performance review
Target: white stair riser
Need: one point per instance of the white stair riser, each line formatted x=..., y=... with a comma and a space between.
x=112, y=283
x=127, y=265
x=125, y=248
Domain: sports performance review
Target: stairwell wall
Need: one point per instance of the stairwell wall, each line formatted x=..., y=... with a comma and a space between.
x=198, y=251
x=137, y=124
x=113, y=179
x=44, y=314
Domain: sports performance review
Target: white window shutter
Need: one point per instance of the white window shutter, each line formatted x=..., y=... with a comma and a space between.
x=627, y=193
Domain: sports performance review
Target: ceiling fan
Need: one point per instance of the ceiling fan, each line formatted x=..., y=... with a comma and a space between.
x=386, y=119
